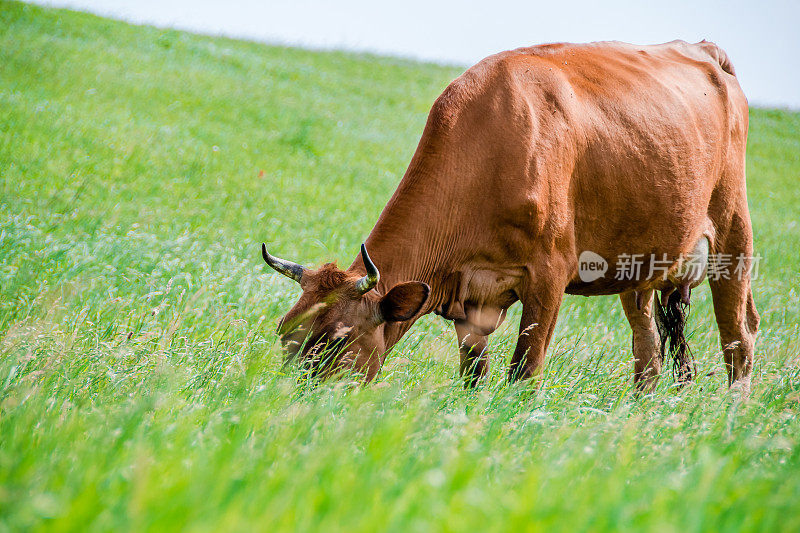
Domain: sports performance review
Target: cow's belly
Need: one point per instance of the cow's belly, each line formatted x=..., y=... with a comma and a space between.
x=617, y=270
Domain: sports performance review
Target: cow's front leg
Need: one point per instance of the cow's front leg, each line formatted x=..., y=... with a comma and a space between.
x=540, y=304
x=480, y=321
x=472, y=349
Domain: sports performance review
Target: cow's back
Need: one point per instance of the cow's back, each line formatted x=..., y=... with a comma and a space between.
x=627, y=143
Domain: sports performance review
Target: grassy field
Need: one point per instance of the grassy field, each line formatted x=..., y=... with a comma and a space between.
x=140, y=377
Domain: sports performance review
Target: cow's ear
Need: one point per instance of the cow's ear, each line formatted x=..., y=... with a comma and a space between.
x=404, y=301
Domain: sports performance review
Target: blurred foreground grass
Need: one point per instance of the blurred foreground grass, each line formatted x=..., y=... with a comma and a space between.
x=140, y=381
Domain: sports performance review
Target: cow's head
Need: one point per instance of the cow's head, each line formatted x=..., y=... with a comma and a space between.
x=339, y=321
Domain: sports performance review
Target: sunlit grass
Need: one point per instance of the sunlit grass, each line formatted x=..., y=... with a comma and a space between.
x=141, y=385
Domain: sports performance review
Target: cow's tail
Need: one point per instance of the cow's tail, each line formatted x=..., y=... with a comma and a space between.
x=671, y=323
x=719, y=54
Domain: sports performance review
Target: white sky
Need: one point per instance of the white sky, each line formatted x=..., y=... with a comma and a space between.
x=762, y=38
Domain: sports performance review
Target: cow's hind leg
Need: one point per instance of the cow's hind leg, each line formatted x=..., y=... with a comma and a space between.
x=646, y=340
x=472, y=349
x=738, y=320
x=734, y=307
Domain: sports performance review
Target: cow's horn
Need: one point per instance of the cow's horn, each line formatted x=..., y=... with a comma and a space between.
x=368, y=282
x=287, y=268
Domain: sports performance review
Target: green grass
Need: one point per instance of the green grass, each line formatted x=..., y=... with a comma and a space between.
x=140, y=381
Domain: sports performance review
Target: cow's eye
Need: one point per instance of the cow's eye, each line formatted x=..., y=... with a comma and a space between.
x=339, y=343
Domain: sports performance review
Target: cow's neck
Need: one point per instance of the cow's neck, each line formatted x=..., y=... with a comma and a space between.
x=416, y=238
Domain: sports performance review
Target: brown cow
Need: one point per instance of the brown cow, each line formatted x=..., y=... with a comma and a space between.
x=530, y=159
